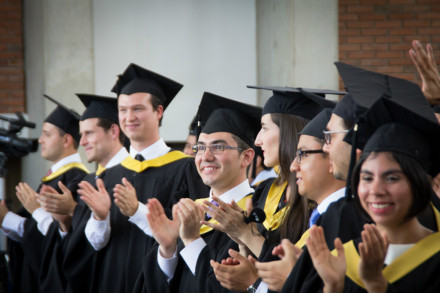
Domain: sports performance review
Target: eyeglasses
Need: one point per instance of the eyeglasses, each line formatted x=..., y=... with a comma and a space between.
x=328, y=135
x=200, y=149
x=300, y=154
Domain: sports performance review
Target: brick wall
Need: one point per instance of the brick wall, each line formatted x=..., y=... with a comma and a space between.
x=377, y=34
x=12, y=86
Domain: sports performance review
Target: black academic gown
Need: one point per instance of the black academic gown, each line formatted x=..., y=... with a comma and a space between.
x=117, y=266
x=342, y=219
x=152, y=278
x=26, y=256
x=81, y=270
x=416, y=270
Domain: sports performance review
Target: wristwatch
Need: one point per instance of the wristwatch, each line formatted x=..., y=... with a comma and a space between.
x=253, y=288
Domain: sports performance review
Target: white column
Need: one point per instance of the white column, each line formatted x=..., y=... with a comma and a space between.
x=58, y=62
x=297, y=43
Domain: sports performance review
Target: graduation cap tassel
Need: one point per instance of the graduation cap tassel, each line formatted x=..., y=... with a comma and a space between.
x=348, y=190
x=254, y=167
x=198, y=128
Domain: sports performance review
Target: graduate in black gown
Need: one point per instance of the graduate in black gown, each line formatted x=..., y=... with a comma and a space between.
x=343, y=219
x=223, y=154
x=102, y=140
x=316, y=182
x=284, y=115
x=391, y=183
x=151, y=170
x=29, y=236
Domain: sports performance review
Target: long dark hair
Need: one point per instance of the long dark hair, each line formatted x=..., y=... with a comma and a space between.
x=295, y=219
x=421, y=188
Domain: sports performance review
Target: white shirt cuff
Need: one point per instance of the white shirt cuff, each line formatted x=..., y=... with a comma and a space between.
x=62, y=233
x=167, y=265
x=98, y=232
x=44, y=219
x=140, y=219
x=13, y=226
x=191, y=252
x=262, y=288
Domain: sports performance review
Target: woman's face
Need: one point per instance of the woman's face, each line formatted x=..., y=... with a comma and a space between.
x=384, y=190
x=268, y=139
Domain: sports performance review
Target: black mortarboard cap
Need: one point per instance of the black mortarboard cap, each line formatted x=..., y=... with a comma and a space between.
x=193, y=127
x=99, y=107
x=306, y=103
x=366, y=87
x=317, y=125
x=64, y=118
x=388, y=126
x=225, y=115
x=136, y=79
x=348, y=110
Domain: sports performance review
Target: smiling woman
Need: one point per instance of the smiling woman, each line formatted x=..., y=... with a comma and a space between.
x=392, y=185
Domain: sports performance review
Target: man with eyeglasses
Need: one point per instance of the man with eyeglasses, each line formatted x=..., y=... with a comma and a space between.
x=222, y=154
x=342, y=218
x=316, y=182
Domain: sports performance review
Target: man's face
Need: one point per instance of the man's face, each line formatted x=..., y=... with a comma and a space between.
x=313, y=172
x=190, y=142
x=95, y=140
x=219, y=171
x=52, y=143
x=137, y=117
x=338, y=149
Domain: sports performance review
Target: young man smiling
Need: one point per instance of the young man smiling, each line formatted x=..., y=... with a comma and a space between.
x=32, y=237
x=223, y=154
x=151, y=170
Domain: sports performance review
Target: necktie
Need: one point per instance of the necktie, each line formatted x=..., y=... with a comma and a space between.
x=139, y=158
x=208, y=217
x=49, y=172
x=313, y=217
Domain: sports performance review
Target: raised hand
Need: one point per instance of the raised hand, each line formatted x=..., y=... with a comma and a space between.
x=58, y=203
x=27, y=196
x=164, y=230
x=190, y=215
x=275, y=273
x=427, y=68
x=330, y=268
x=236, y=273
x=372, y=250
x=125, y=198
x=230, y=218
x=97, y=200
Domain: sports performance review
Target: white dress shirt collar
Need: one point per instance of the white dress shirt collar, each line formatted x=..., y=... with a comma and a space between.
x=236, y=193
x=75, y=158
x=335, y=196
x=118, y=158
x=157, y=149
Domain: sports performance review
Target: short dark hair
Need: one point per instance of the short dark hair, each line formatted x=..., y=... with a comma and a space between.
x=421, y=188
x=240, y=143
x=106, y=124
x=156, y=102
x=75, y=142
x=347, y=124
